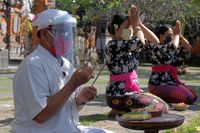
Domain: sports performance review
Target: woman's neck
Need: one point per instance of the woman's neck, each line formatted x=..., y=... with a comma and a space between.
x=117, y=37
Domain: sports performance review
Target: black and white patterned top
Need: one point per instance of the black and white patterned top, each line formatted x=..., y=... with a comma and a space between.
x=121, y=57
x=165, y=55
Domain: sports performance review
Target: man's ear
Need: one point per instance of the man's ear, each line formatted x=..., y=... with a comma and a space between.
x=42, y=32
x=48, y=34
x=45, y=35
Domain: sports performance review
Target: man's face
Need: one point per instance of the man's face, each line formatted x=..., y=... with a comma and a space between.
x=61, y=37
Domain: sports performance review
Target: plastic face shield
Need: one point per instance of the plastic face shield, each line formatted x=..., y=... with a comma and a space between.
x=63, y=38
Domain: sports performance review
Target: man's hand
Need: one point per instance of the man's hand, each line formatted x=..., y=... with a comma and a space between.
x=88, y=67
x=81, y=76
x=87, y=94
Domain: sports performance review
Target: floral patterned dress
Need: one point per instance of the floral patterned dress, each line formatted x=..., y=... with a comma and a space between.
x=163, y=84
x=165, y=55
x=122, y=57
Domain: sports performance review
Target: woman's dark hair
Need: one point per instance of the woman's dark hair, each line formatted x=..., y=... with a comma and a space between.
x=161, y=29
x=116, y=20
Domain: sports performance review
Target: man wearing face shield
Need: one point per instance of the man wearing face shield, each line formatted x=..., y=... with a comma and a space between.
x=63, y=39
x=46, y=86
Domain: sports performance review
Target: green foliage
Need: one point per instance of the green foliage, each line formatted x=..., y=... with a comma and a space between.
x=92, y=8
x=68, y=5
x=165, y=9
x=26, y=26
x=152, y=12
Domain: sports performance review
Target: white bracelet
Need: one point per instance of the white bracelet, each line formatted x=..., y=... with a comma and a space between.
x=79, y=104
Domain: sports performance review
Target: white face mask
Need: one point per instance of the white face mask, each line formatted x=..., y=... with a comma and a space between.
x=127, y=33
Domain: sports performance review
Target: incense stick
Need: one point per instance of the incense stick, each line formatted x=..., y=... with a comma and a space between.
x=98, y=74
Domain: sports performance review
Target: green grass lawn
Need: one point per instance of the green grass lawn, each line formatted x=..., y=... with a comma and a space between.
x=87, y=120
x=192, y=127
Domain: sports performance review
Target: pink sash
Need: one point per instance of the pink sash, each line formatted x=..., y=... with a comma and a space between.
x=130, y=86
x=167, y=68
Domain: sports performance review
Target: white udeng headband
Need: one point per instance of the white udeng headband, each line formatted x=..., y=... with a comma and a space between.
x=52, y=17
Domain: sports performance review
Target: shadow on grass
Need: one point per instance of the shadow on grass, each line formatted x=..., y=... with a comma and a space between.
x=5, y=122
x=97, y=104
x=88, y=119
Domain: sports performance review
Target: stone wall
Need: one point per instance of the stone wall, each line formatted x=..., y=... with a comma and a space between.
x=11, y=25
x=10, y=19
x=3, y=25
